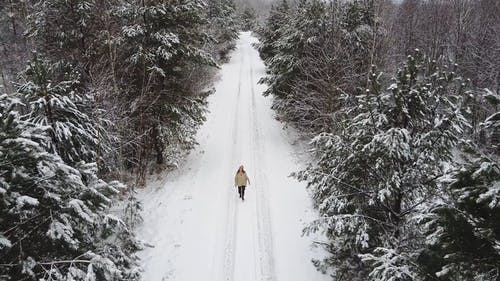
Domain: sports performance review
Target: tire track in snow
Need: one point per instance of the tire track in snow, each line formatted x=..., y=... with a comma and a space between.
x=257, y=267
x=232, y=210
x=265, y=243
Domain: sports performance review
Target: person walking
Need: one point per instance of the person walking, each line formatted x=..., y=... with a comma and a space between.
x=240, y=180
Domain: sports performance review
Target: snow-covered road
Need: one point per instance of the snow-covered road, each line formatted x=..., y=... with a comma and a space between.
x=199, y=227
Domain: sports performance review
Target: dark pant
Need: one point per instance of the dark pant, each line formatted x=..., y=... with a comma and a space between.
x=241, y=191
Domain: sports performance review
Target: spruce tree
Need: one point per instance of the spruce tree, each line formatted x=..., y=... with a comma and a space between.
x=372, y=175
x=248, y=19
x=269, y=34
x=56, y=98
x=462, y=227
x=298, y=29
x=223, y=27
x=65, y=30
x=53, y=222
x=315, y=55
x=162, y=46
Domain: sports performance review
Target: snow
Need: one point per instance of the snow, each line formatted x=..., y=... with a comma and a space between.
x=4, y=242
x=81, y=210
x=62, y=231
x=198, y=227
x=26, y=201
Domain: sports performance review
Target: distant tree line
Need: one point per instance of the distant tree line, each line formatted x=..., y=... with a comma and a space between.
x=401, y=103
x=93, y=92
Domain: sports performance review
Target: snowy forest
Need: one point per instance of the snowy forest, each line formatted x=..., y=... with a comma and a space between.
x=401, y=104
x=95, y=94
x=398, y=101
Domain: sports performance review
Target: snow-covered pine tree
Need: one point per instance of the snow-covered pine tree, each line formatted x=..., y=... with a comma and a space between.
x=462, y=226
x=359, y=21
x=316, y=53
x=162, y=47
x=269, y=33
x=372, y=175
x=280, y=67
x=357, y=13
x=223, y=27
x=53, y=223
x=65, y=29
x=248, y=19
x=55, y=98
x=300, y=26
x=161, y=37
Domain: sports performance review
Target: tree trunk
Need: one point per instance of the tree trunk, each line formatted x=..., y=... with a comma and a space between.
x=158, y=145
x=396, y=213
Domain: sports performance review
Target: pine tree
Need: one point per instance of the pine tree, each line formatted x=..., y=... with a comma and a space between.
x=162, y=46
x=223, y=26
x=65, y=30
x=374, y=173
x=60, y=104
x=159, y=36
x=359, y=13
x=462, y=227
x=360, y=23
x=300, y=27
x=53, y=225
x=248, y=19
x=269, y=34
x=315, y=54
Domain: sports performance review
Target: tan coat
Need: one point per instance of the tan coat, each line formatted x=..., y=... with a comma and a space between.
x=241, y=179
